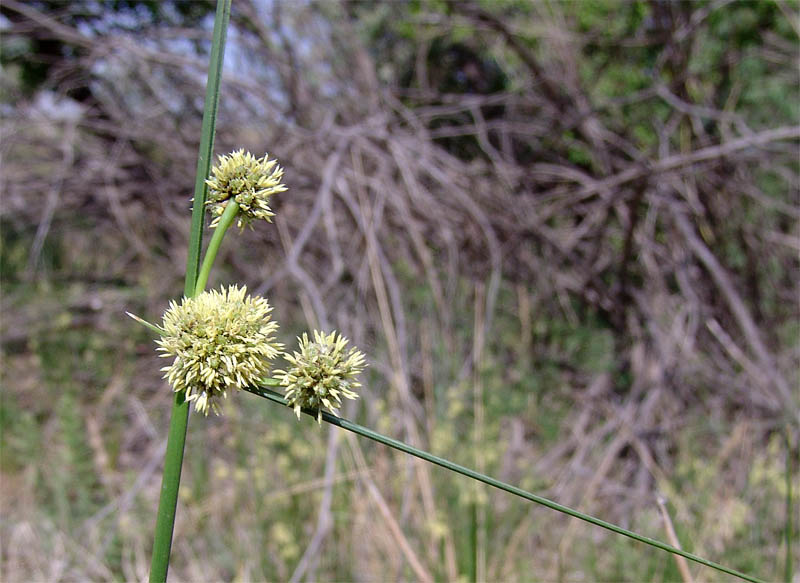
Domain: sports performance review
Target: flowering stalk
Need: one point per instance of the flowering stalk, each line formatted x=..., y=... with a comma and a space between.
x=225, y=221
x=219, y=340
x=173, y=460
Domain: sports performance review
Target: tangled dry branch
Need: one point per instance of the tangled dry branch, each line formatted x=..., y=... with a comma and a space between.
x=395, y=184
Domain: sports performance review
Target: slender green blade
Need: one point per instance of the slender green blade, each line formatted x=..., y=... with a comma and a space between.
x=206, y=144
x=447, y=464
x=170, y=480
x=173, y=461
x=788, y=574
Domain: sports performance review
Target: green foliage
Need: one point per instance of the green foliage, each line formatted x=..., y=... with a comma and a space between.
x=18, y=432
x=607, y=20
x=75, y=464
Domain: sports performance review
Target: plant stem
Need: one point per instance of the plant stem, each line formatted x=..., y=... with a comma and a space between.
x=206, y=143
x=789, y=527
x=168, y=501
x=173, y=460
x=225, y=221
x=447, y=464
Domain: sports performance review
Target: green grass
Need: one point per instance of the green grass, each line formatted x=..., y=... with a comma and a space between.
x=233, y=461
x=59, y=375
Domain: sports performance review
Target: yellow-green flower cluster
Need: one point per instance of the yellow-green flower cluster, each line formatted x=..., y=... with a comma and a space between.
x=220, y=340
x=321, y=373
x=249, y=181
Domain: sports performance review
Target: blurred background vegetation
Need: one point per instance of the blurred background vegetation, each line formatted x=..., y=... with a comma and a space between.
x=566, y=234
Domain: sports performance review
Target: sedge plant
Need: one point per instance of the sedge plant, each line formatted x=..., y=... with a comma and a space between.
x=223, y=341
x=173, y=459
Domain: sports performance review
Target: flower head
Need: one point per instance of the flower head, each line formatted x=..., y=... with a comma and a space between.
x=249, y=181
x=220, y=339
x=321, y=373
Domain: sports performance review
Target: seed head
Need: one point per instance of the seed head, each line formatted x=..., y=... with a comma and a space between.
x=220, y=340
x=321, y=373
x=249, y=181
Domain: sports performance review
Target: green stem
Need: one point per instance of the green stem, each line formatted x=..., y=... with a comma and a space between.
x=473, y=541
x=173, y=460
x=789, y=526
x=168, y=501
x=225, y=221
x=206, y=143
x=447, y=464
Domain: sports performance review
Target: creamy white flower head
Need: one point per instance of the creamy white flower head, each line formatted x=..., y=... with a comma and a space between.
x=219, y=340
x=249, y=181
x=321, y=373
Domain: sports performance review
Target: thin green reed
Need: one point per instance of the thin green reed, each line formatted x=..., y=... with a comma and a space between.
x=173, y=460
x=453, y=467
x=206, y=143
x=788, y=574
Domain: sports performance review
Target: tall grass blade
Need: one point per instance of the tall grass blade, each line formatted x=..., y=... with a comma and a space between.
x=206, y=144
x=447, y=464
x=165, y=520
x=788, y=567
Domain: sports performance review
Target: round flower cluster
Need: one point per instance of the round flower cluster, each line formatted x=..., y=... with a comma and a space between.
x=247, y=180
x=321, y=373
x=219, y=339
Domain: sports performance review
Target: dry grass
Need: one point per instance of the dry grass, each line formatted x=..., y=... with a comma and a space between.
x=626, y=328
